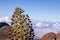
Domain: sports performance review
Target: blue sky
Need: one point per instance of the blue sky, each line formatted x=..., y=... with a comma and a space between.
x=36, y=9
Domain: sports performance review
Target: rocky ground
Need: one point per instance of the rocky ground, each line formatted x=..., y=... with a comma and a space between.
x=4, y=33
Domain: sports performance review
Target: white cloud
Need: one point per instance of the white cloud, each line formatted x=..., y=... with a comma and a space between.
x=41, y=24
x=5, y=19
x=56, y=25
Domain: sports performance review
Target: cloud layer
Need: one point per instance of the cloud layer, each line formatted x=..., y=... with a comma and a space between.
x=41, y=24
x=41, y=28
x=5, y=19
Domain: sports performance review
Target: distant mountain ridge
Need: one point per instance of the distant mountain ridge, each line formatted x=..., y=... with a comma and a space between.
x=3, y=24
